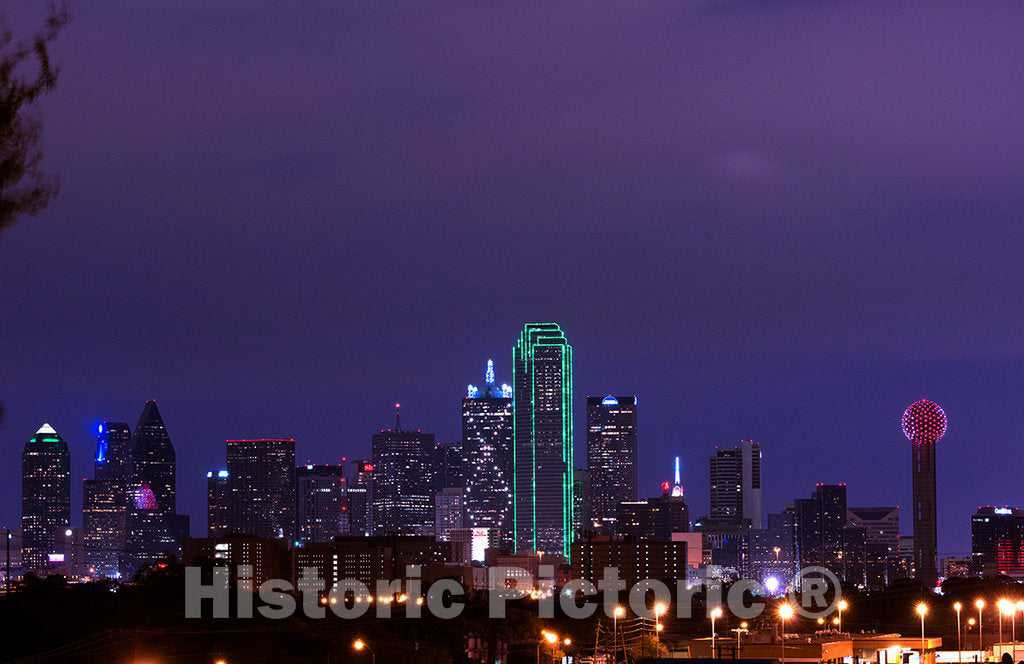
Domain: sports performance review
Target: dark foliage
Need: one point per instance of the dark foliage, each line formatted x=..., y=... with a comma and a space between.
x=26, y=73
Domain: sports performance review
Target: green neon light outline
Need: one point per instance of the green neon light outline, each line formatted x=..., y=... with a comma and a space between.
x=524, y=356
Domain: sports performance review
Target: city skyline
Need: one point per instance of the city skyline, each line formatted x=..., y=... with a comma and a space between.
x=795, y=247
x=150, y=407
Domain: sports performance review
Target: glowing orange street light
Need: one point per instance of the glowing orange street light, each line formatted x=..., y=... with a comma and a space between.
x=922, y=609
x=842, y=606
x=715, y=613
x=785, y=613
x=659, y=609
x=980, y=604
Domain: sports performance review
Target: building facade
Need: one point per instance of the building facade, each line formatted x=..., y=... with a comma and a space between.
x=611, y=457
x=321, y=502
x=45, y=498
x=360, y=498
x=735, y=475
x=487, y=446
x=403, y=497
x=882, y=531
x=154, y=527
x=261, y=480
x=997, y=542
x=105, y=501
x=449, y=512
x=218, y=503
x=818, y=528
x=543, y=440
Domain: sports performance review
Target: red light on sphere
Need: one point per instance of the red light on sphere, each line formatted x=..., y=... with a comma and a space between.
x=924, y=422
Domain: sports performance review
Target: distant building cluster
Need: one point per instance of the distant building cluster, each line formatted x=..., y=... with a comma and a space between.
x=509, y=491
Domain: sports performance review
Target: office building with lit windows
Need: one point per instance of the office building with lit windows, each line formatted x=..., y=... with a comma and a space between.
x=321, y=495
x=105, y=501
x=735, y=474
x=543, y=440
x=997, y=541
x=154, y=528
x=218, y=502
x=487, y=447
x=403, y=491
x=261, y=479
x=45, y=498
x=611, y=457
x=360, y=498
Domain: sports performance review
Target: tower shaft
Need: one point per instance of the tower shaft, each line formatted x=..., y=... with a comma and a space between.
x=925, y=538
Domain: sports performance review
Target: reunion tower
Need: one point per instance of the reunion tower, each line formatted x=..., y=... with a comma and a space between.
x=924, y=422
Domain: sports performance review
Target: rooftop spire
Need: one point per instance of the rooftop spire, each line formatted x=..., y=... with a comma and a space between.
x=489, y=376
x=677, y=486
x=398, y=417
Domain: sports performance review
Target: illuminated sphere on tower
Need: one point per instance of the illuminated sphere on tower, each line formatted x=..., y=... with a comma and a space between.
x=924, y=422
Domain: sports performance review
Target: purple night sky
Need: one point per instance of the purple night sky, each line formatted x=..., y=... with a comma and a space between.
x=783, y=221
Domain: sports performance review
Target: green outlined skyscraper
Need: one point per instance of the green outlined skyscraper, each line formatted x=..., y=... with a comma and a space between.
x=542, y=450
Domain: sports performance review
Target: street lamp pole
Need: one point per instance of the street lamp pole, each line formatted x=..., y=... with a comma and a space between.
x=959, y=653
x=981, y=641
x=785, y=613
x=715, y=613
x=921, y=610
x=616, y=614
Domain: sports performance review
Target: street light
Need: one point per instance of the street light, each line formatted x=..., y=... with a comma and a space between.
x=739, y=631
x=1002, y=608
x=922, y=609
x=980, y=603
x=659, y=609
x=843, y=605
x=359, y=645
x=715, y=613
x=785, y=613
x=617, y=613
x=956, y=607
x=550, y=637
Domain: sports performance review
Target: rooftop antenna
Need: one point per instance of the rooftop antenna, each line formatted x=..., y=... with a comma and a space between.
x=489, y=376
x=398, y=417
x=677, y=487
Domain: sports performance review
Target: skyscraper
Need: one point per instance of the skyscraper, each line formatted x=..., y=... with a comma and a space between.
x=261, y=476
x=543, y=440
x=924, y=423
x=818, y=528
x=45, y=497
x=611, y=457
x=218, y=503
x=105, y=500
x=997, y=542
x=487, y=447
x=736, y=483
x=360, y=498
x=153, y=524
x=113, y=452
x=882, y=534
x=403, y=496
x=449, y=466
x=321, y=494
